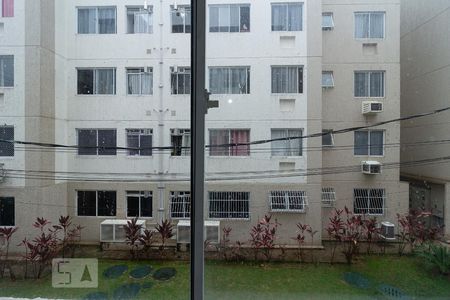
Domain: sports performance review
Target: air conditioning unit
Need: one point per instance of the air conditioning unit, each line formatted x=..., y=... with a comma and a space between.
x=371, y=167
x=387, y=231
x=211, y=231
x=114, y=230
x=175, y=69
x=371, y=107
x=2, y=172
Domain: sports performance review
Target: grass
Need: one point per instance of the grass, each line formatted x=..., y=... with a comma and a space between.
x=257, y=281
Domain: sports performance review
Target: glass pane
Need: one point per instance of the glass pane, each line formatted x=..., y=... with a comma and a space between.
x=361, y=143
x=376, y=142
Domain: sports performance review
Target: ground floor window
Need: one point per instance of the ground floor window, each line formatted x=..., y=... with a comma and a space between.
x=180, y=205
x=7, y=211
x=287, y=201
x=96, y=203
x=140, y=204
x=369, y=201
x=229, y=205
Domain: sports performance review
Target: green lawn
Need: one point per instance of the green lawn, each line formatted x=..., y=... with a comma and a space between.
x=268, y=281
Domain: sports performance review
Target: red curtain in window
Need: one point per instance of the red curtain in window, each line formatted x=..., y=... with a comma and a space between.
x=8, y=8
x=240, y=136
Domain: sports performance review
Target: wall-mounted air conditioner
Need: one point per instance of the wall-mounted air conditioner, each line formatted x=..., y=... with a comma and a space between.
x=114, y=230
x=387, y=231
x=211, y=231
x=371, y=107
x=371, y=167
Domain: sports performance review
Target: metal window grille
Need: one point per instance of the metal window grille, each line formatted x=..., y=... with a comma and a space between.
x=369, y=201
x=180, y=205
x=7, y=148
x=288, y=201
x=229, y=205
x=328, y=196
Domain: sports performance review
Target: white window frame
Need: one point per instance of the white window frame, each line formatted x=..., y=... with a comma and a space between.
x=185, y=196
x=139, y=194
x=369, y=208
x=370, y=17
x=229, y=17
x=138, y=132
x=94, y=81
x=97, y=145
x=11, y=145
x=330, y=132
x=180, y=9
x=328, y=196
x=331, y=26
x=231, y=214
x=369, y=132
x=287, y=4
x=177, y=71
x=230, y=87
x=288, y=130
x=143, y=71
x=370, y=72
x=3, y=57
x=229, y=141
x=300, y=197
x=14, y=208
x=96, y=18
x=183, y=133
x=300, y=88
x=96, y=203
x=331, y=77
x=148, y=11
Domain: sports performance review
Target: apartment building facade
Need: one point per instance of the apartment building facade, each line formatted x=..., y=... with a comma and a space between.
x=425, y=51
x=113, y=78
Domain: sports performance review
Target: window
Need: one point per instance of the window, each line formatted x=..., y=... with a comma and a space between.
x=229, y=205
x=229, y=18
x=101, y=20
x=220, y=140
x=287, y=16
x=287, y=79
x=180, y=205
x=180, y=141
x=96, y=203
x=327, y=79
x=369, y=201
x=139, y=81
x=139, y=204
x=369, y=84
x=7, y=8
x=369, y=142
x=369, y=25
x=287, y=201
x=141, y=139
x=287, y=147
x=7, y=211
x=97, y=142
x=181, y=19
x=180, y=80
x=328, y=196
x=139, y=20
x=6, y=70
x=6, y=133
x=327, y=138
x=327, y=21
x=101, y=81
x=229, y=80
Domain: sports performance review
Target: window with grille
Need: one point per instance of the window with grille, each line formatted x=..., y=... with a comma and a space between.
x=369, y=84
x=287, y=79
x=229, y=205
x=229, y=18
x=180, y=141
x=287, y=16
x=97, y=20
x=139, y=20
x=6, y=70
x=288, y=201
x=180, y=204
x=328, y=196
x=6, y=148
x=140, y=204
x=229, y=80
x=369, y=142
x=181, y=19
x=369, y=201
x=96, y=203
x=97, y=142
x=96, y=81
x=285, y=146
x=180, y=80
x=139, y=81
x=141, y=140
x=7, y=211
x=369, y=25
x=221, y=140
